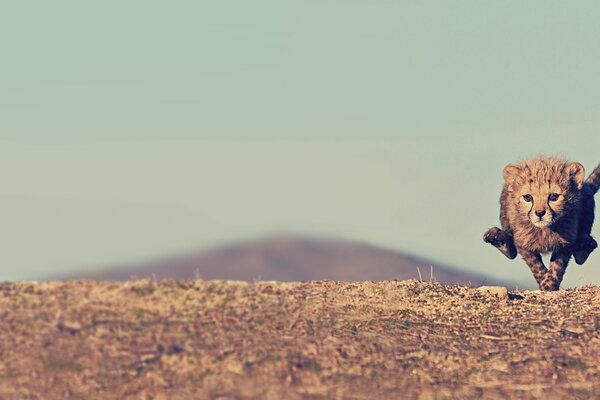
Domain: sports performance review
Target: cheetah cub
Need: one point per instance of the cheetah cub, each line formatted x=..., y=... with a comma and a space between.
x=546, y=206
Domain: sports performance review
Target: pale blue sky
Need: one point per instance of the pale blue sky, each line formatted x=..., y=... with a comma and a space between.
x=130, y=129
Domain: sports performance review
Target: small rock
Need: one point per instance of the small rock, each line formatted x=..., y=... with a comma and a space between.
x=577, y=330
x=69, y=326
x=499, y=291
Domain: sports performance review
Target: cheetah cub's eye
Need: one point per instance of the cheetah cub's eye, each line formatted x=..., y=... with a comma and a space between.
x=528, y=198
x=553, y=196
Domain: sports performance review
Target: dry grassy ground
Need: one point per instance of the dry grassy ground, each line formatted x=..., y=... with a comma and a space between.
x=208, y=340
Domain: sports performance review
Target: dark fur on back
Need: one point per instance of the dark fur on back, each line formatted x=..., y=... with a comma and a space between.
x=546, y=206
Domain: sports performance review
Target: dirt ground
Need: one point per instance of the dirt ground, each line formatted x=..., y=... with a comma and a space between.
x=309, y=340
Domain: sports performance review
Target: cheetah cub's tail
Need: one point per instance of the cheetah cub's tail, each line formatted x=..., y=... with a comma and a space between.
x=594, y=179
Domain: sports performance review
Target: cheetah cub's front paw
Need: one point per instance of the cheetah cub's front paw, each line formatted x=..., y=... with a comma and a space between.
x=583, y=248
x=495, y=236
x=502, y=241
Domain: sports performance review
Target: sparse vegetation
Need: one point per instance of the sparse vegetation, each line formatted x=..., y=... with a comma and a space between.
x=215, y=339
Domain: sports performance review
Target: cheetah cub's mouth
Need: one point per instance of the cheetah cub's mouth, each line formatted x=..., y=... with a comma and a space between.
x=541, y=223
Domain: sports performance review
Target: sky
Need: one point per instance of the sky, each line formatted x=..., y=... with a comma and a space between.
x=134, y=129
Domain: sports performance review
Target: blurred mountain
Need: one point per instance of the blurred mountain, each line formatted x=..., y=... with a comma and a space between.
x=293, y=258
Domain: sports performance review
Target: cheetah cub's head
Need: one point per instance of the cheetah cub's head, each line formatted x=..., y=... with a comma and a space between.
x=544, y=188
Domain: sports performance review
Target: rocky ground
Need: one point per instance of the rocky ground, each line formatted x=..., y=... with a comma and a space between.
x=310, y=340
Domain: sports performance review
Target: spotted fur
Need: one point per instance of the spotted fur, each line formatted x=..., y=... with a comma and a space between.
x=546, y=206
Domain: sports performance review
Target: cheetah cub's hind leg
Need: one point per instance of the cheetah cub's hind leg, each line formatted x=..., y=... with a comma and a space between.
x=582, y=249
x=502, y=240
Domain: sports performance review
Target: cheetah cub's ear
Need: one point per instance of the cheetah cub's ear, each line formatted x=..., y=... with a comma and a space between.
x=575, y=173
x=510, y=173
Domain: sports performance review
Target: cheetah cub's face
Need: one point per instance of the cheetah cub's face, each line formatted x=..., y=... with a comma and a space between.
x=543, y=191
x=541, y=203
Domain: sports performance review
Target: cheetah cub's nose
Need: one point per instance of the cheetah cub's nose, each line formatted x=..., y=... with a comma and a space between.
x=540, y=213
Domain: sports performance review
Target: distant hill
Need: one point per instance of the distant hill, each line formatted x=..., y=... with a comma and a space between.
x=292, y=258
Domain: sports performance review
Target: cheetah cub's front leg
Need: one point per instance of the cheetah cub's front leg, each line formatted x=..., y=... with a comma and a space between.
x=558, y=265
x=548, y=279
x=502, y=240
x=537, y=267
